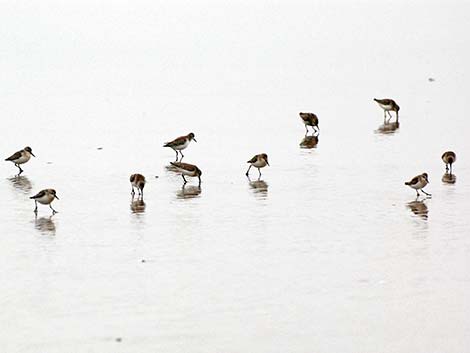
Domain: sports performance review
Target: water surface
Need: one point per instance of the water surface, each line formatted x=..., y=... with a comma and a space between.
x=327, y=252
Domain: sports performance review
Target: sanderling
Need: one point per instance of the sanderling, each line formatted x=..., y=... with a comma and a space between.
x=21, y=157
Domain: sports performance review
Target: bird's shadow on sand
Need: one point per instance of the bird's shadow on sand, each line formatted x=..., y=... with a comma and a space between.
x=45, y=225
x=419, y=207
x=388, y=128
x=188, y=192
x=448, y=178
x=21, y=183
x=309, y=141
x=137, y=205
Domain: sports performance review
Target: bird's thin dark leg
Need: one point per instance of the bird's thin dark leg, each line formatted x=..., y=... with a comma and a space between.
x=182, y=156
x=176, y=156
x=132, y=192
x=21, y=170
x=248, y=171
x=385, y=115
x=447, y=167
x=451, y=169
x=425, y=192
x=389, y=116
x=259, y=171
x=417, y=193
x=53, y=211
x=397, y=116
x=36, y=208
x=306, y=130
x=185, y=181
x=199, y=181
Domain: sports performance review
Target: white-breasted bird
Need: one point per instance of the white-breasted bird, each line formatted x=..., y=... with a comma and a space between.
x=21, y=157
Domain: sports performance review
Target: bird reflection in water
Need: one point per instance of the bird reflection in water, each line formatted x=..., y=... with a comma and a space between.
x=21, y=183
x=419, y=208
x=45, y=225
x=449, y=178
x=188, y=192
x=309, y=141
x=388, y=128
x=137, y=205
x=259, y=187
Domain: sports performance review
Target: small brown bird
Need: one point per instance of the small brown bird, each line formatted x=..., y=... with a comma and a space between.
x=449, y=158
x=138, y=182
x=388, y=105
x=310, y=119
x=188, y=170
x=21, y=157
x=259, y=161
x=418, y=183
x=180, y=143
x=45, y=197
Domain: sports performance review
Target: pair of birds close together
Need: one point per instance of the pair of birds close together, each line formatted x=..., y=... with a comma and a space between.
x=420, y=181
x=45, y=196
x=388, y=105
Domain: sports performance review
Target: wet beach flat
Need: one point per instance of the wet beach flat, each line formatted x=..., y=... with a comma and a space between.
x=328, y=251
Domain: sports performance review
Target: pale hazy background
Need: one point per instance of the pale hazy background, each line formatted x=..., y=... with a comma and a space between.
x=327, y=255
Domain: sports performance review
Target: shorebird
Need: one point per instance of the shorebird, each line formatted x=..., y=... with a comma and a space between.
x=259, y=161
x=418, y=183
x=388, y=105
x=188, y=170
x=45, y=197
x=180, y=143
x=310, y=119
x=449, y=158
x=21, y=157
x=138, y=182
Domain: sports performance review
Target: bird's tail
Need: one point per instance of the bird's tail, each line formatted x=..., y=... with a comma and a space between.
x=407, y=183
x=376, y=99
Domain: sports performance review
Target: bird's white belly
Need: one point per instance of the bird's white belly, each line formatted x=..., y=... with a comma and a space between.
x=181, y=147
x=45, y=200
x=259, y=164
x=23, y=159
x=419, y=185
x=187, y=172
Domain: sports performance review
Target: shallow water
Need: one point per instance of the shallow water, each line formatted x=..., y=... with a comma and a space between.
x=327, y=252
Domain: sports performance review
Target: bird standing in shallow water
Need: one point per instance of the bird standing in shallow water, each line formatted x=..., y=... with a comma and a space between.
x=188, y=170
x=259, y=161
x=449, y=158
x=45, y=197
x=180, y=143
x=137, y=181
x=388, y=105
x=21, y=157
x=418, y=183
x=310, y=119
